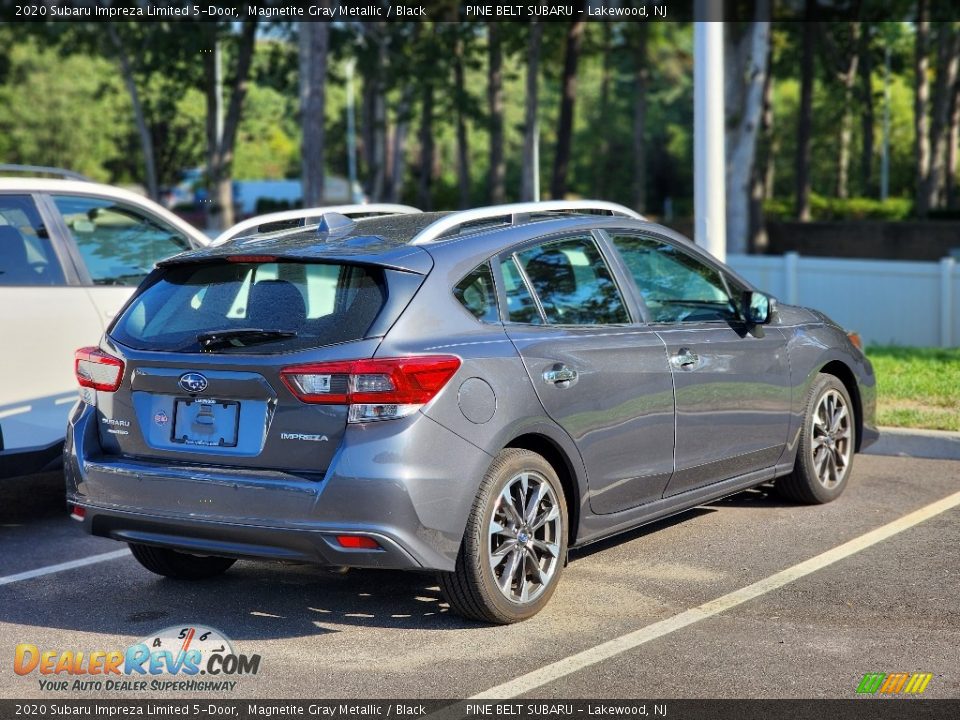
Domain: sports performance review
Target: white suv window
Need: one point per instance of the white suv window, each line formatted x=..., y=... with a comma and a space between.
x=26, y=254
x=119, y=244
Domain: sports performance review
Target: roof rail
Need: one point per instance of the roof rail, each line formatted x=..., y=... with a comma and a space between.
x=315, y=213
x=43, y=170
x=517, y=212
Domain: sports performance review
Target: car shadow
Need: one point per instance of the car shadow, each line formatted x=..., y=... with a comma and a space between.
x=628, y=535
x=761, y=496
x=32, y=497
x=252, y=601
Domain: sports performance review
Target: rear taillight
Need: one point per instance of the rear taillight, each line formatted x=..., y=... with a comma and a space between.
x=95, y=369
x=381, y=389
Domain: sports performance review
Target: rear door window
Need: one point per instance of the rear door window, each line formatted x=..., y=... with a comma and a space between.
x=573, y=283
x=119, y=244
x=253, y=307
x=27, y=256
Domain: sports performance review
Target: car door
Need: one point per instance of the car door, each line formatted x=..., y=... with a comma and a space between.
x=44, y=316
x=731, y=381
x=115, y=244
x=599, y=374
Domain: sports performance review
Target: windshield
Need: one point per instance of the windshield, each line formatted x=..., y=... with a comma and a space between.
x=253, y=307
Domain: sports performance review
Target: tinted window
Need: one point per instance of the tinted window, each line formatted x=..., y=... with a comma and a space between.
x=26, y=255
x=573, y=283
x=478, y=295
x=676, y=286
x=312, y=304
x=521, y=307
x=119, y=244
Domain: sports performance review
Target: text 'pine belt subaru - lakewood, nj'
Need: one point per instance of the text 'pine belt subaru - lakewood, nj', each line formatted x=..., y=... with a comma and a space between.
x=467, y=393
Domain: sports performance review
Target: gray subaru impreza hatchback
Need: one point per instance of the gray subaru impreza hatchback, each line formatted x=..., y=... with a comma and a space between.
x=468, y=393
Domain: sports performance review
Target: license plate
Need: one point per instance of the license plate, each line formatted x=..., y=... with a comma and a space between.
x=211, y=423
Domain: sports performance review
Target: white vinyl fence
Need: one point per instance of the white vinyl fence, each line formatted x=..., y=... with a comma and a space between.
x=888, y=302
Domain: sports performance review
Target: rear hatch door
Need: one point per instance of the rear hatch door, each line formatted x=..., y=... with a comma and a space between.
x=204, y=345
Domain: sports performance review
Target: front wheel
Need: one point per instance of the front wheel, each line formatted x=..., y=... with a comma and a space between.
x=182, y=566
x=515, y=543
x=827, y=443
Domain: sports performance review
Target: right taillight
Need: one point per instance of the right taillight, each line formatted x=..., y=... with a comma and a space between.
x=378, y=389
x=95, y=369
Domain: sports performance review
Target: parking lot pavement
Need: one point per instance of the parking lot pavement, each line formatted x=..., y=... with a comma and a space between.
x=889, y=607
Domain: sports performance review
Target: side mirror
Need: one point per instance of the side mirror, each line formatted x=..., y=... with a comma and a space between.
x=758, y=307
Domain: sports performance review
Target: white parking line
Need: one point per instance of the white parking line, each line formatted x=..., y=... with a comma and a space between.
x=604, y=651
x=60, y=567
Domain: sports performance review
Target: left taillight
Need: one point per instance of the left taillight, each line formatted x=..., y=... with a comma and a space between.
x=376, y=389
x=95, y=369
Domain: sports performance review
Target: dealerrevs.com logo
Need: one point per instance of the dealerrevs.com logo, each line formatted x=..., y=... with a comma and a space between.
x=178, y=658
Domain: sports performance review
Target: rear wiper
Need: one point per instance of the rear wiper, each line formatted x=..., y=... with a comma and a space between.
x=218, y=339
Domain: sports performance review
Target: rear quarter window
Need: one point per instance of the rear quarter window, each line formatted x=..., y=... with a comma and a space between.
x=312, y=304
x=478, y=295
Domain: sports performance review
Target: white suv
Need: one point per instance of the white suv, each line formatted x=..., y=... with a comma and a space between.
x=71, y=253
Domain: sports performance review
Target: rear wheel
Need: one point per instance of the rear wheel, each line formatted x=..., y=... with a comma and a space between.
x=182, y=566
x=515, y=542
x=827, y=440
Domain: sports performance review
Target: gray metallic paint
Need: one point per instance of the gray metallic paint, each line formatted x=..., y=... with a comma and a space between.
x=411, y=482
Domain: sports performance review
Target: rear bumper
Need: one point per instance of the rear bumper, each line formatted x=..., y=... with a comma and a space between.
x=391, y=481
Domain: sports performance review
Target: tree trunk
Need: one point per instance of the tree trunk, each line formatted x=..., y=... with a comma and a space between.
x=866, y=114
x=920, y=100
x=531, y=131
x=848, y=77
x=424, y=197
x=374, y=113
x=948, y=56
x=742, y=151
x=143, y=130
x=221, y=146
x=952, y=149
x=398, y=162
x=641, y=75
x=763, y=173
x=498, y=168
x=463, y=146
x=561, y=161
x=805, y=117
x=601, y=167
x=314, y=44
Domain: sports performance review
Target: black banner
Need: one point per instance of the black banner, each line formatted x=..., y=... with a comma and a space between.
x=464, y=10
x=854, y=709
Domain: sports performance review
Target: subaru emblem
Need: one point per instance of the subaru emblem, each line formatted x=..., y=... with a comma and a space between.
x=193, y=382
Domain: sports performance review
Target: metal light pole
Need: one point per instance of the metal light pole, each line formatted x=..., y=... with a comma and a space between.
x=709, y=170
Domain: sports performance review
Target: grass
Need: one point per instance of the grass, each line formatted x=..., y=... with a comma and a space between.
x=917, y=387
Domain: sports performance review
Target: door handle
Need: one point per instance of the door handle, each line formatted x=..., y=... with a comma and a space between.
x=685, y=359
x=559, y=375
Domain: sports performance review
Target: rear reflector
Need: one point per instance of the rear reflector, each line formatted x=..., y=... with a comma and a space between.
x=77, y=512
x=358, y=542
x=379, y=389
x=95, y=369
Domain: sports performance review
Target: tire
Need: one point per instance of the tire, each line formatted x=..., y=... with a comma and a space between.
x=825, y=455
x=525, y=548
x=181, y=566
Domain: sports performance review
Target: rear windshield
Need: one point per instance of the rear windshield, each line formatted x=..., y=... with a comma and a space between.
x=221, y=307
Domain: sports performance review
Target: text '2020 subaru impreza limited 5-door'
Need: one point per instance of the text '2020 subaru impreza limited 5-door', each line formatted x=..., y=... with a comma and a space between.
x=467, y=393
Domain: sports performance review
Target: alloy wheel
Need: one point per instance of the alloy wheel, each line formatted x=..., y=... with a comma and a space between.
x=524, y=537
x=831, y=439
